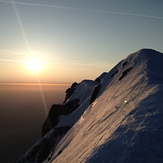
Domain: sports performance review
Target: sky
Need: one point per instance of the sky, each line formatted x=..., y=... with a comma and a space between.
x=74, y=39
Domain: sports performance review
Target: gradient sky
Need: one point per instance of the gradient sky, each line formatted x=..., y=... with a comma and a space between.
x=75, y=39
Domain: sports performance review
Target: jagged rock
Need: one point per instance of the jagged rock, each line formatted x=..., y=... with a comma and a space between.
x=56, y=111
x=114, y=73
x=98, y=79
x=95, y=93
x=124, y=64
x=125, y=73
x=70, y=91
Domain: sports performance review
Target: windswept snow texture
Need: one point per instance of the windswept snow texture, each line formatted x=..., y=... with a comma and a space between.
x=41, y=149
x=125, y=123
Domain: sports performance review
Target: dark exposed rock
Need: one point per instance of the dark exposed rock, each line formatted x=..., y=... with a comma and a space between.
x=95, y=93
x=56, y=111
x=98, y=80
x=44, y=148
x=125, y=73
x=114, y=73
x=124, y=64
x=48, y=144
x=59, y=152
x=70, y=91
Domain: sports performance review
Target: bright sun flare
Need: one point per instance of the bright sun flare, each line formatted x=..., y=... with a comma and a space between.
x=34, y=65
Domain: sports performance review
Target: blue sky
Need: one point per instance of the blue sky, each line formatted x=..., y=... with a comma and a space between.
x=75, y=39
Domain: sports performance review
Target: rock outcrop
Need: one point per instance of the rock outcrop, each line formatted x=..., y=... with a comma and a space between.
x=70, y=91
x=56, y=111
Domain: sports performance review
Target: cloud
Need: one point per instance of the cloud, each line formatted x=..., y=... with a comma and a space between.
x=80, y=9
x=12, y=52
x=12, y=60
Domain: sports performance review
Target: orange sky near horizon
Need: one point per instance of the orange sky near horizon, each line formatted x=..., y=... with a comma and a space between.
x=74, y=40
x=48, y=73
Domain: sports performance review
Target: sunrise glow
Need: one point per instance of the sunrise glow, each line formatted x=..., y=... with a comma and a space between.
x=34, y=65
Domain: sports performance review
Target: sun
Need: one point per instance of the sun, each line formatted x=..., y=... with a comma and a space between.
x=34, y=65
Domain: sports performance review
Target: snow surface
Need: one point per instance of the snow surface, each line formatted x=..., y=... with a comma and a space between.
x=125, y=123
x=83, y=90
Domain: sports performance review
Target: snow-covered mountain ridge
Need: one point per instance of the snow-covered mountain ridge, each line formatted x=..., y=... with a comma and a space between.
x=120, y=120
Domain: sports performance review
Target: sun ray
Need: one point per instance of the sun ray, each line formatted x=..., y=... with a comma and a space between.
x=42, y=95
x=21, y=27
x=34, y=65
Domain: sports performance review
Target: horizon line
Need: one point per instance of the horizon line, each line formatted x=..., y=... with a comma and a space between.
x=33, y=83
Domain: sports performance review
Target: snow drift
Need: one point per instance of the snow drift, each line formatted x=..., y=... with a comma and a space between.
x=124, y=121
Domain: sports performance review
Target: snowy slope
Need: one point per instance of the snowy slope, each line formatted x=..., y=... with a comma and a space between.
x=125, y=123
x=83, y=90
x=42, y=148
